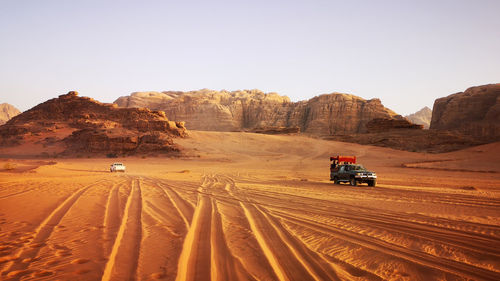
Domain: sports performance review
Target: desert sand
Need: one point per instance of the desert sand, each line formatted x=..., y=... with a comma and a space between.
x=253, y=207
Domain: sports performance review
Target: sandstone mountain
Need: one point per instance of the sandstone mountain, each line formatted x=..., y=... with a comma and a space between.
x=421, y=117
x=249, y=110
x=71, y=125
x=7, y=111
x=475, y=112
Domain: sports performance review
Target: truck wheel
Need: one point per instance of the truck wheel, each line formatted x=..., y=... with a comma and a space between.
x=353, y=182
x=372, y=183
x=336, y=180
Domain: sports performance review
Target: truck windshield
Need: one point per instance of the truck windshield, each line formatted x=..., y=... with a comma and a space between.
x=358, y=168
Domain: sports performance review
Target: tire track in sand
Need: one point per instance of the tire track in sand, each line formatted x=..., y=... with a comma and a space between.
x=194, y=261
x=445, y=265
x=112, y=217
x=122, y=262
x=183, y=207
x=16, y=193
x=224, y=266
x=396, y=223
x=289, y=259
x=205, y=254
x=43, y=231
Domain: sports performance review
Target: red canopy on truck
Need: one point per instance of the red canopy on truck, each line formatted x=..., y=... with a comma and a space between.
x=349, y=159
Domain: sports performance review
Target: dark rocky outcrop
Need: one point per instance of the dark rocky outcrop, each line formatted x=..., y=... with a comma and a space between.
x=387, y=124
x=431, y=141
x=475, y=112
x=83, y=125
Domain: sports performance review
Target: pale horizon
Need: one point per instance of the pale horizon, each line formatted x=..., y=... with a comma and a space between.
x=405, y=53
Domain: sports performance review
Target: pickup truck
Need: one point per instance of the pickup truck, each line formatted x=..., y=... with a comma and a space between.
x=117, y=167
x=354, y=174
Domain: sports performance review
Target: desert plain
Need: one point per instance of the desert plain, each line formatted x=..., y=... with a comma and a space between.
x=246, y=206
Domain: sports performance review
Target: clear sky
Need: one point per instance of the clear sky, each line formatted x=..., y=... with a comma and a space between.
x=407, y=53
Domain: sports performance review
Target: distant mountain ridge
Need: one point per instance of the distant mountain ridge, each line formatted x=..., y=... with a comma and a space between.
x=7, y=112
x=327, y=114
x=421, y=117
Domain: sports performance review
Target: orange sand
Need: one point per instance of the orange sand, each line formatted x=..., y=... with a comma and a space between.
x=253, y=207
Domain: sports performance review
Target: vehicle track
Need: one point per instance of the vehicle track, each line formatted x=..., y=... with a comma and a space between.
x=42, y=233
x=289, y=258
x=323, y=206
x=194, y=261
x=183, y=207
x=470, y=242
x=446, y=265
x=122, y=261
x=19, y=185
x=112, y=216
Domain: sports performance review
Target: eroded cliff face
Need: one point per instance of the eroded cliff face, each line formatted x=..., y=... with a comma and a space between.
x=7, y=112
x=246, y=110
x=213, y=110
x=83, y=125
x=475, y=112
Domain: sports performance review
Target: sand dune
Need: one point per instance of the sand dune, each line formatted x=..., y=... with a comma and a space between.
x=253, y=207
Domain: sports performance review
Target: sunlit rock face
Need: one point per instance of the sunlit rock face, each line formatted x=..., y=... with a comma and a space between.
x=209, y=110
x=475, y=112
x=421, y=117
x=7, y=112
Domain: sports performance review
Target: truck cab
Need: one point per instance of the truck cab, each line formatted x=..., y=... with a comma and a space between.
x=117, y=167
x=345, y=169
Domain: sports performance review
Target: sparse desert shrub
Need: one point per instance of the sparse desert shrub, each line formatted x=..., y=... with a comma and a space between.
x=9, y=166
x=112, y=155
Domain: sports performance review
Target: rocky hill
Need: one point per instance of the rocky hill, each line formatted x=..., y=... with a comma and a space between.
x=70, y=125
x=421, y=117
x=326, y=114
x=475, y=112
x=7, y=111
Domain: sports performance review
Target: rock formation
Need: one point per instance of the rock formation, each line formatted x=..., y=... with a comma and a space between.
x=247, y=110
x=276, y=130
x=83, y=125
x=388, y=124
x=7, y=111
x=421, y=117
x=475, y=112
x=432, y=141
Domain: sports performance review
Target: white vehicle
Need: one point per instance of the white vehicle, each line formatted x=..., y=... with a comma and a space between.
x=117, y=167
